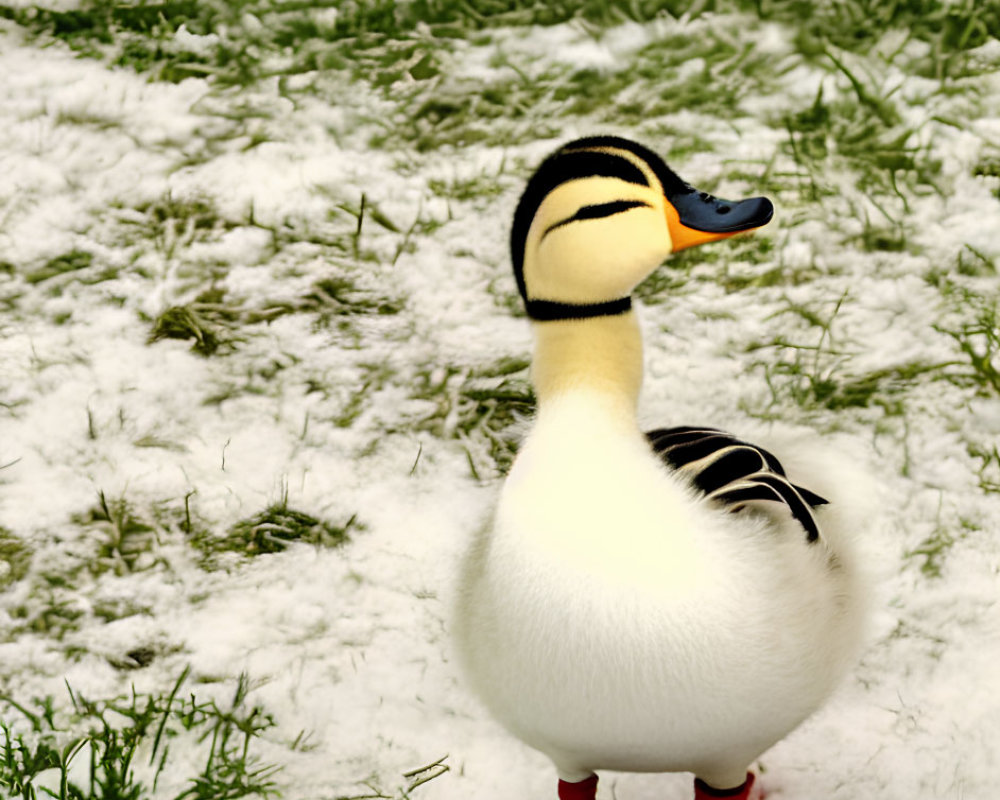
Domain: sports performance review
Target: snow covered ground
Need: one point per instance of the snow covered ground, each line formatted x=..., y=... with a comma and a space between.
x=196, y=327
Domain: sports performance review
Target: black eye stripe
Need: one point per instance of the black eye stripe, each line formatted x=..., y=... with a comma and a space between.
x=598, y=211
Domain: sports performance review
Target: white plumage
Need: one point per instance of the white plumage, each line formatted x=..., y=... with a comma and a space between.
x=612, y=616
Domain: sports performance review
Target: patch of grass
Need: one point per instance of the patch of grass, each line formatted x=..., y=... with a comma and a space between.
x=677, y=142
x=667, y=282
x=808, y=377
x=372, y=378
x=212, y=320
x=76, y=266
x=520, y=105
x=272, y=530
x=862, y=133
x=974, y=264
x=338, y=295
x=736, y=264
x=277, y=526
x=187, y=322
x=455, y=113
x=138, y=36
x=978, y=339
x=663, y=80
x=879, y=238
x=413, y=778
x=819, y=375
x=989, y=167
x=395, y=42
x=951, y=28
x=933, y=551
x=52, y=611
x=482, y=408
x=809, y=382
x=476, y=187
x=172, y=223
x=127, y=541
x=15, y=558
x=111, y=734
x=239, y=37
x=73, y=261
x=988, y=470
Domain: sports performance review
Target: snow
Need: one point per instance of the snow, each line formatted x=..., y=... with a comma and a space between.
x=351, y=645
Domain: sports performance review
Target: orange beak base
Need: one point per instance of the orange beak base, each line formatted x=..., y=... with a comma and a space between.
x=695, y=217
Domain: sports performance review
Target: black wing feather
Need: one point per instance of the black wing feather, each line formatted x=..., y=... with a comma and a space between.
x=733, y=472
x=730, y=465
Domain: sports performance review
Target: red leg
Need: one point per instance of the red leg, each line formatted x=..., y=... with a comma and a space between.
x=747, y=791
x=584, y=790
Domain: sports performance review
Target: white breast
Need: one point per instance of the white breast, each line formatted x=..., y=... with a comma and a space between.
x=612, y=619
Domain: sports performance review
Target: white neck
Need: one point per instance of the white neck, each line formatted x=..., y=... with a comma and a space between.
x=599, y=355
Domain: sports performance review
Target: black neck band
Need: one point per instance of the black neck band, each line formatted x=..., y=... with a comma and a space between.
x=550, y=310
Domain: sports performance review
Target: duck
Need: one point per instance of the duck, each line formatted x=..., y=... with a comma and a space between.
x=660, y=601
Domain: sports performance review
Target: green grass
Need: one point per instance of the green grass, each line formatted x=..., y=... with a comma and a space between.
x=51, y=611
x=277, y=526
x=269, y=531
x=124, y=739
x=217, y=323
x=951, y=29
x=172, y=222
x=860, y=133
x=412, y=779
x=272, y=530
x=121, y=748
x=217, y=319
x=72, y=261
x=819, y=374
x=481, y=408
x=978, y=338
x=126, y=542
x=988, y=470
x=122, y=537
x=338, y=296
x=15, y=557
x=377, y=43
x=931, y=554
x=852, y=162
x=191, y=321
x=116, y=539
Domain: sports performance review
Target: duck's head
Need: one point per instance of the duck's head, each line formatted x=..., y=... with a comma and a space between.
x=599, y=216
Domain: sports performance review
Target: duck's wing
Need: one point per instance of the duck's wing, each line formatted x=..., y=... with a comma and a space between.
x=733, y=472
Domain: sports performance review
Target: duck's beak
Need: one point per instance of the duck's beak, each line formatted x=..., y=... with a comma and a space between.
x=695, y=217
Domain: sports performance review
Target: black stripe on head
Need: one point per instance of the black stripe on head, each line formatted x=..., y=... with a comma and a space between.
x=598, y=211
x=566, y=164
x=670, y=180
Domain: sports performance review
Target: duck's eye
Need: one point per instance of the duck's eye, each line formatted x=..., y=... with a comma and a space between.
x=597, y=211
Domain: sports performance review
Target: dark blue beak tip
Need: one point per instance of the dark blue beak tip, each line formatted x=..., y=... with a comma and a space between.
x=764, y=211
x=704, y=212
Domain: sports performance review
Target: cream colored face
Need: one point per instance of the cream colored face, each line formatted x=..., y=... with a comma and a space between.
x=599, y=216
x=594, y=239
